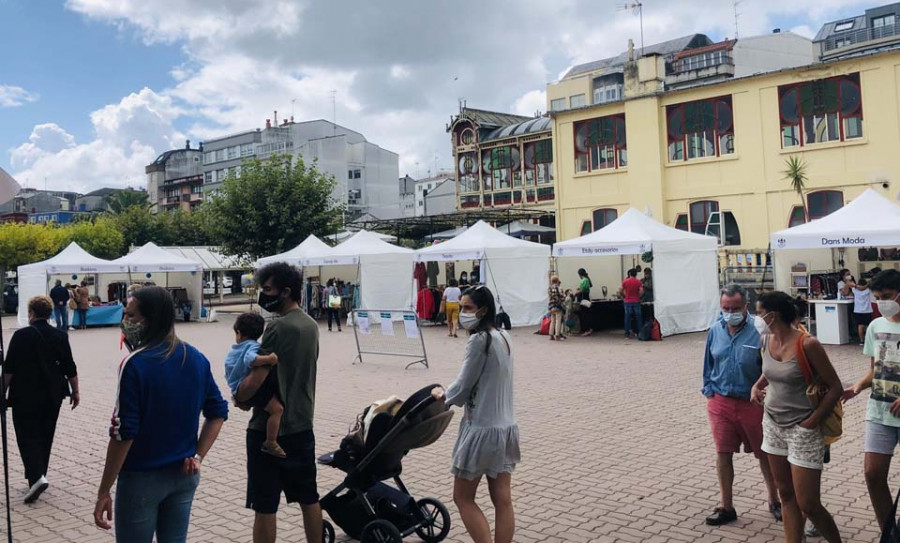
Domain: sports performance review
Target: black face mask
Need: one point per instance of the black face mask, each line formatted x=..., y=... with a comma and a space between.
x=269, y=302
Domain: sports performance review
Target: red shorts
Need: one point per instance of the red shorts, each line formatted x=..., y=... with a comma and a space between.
x=735, y=421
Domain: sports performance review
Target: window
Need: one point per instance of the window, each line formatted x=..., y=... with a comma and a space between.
x=603, y=217
x=843, y=26
x=467, y=137
x=797, y=217
x=704, y=128
x=681, y=221
x=247, y=149
x=881, y=22
x=197, y=189
x=558, y=105
x=703, y=60
x=233, y=152
x=700, y=213
x=822, y=203
x=468, y=173
x=586, y=228
x=357, y=174
x=498, y=165
x=209, y=157
x=208, y=177
x=220, y=155
x=220, y=175
x=576, y=101
x=600, y=144
x=821, y=111
x=607, y=93
x=539, y=162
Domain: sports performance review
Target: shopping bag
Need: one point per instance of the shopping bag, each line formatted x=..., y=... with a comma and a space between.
x=545, y=326
x=334, y=302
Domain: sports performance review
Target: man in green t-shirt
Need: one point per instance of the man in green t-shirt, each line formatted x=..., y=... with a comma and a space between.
x=294, y=337
x=883, y=410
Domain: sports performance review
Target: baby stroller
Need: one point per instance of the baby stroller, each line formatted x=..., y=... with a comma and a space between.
x=363, y=505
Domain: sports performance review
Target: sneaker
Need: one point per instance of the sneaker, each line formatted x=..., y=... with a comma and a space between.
x=775, y=509
x=811, y=530
x=36, y=490
x=274, y=449
x=721, y=516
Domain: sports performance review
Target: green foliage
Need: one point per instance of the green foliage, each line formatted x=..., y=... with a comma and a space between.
x=123, y=200
x=274, y=206
x=101, y=237
x=22, y=244
x=177, y=227
x=795, y=173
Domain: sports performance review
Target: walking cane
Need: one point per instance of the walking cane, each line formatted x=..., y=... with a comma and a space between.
x=5, y=438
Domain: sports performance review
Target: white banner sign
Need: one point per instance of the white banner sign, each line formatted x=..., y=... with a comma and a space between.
x=362, y=320
x=387, y=325
x=449, y=256
x=630, y=249
x=411, y=326
x=833, y=241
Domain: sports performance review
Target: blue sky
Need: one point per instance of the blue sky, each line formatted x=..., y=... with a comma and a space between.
x=154, y=72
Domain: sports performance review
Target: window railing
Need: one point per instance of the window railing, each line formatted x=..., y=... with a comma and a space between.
x=855, y=37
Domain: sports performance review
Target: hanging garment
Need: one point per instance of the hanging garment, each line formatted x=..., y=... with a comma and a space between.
x=425, y=304
x=420, y=275
x=432, y=271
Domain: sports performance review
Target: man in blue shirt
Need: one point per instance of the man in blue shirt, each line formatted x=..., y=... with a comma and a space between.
x=732, y=363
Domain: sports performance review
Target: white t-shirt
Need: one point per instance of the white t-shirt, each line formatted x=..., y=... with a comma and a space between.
x=862, y=300
x=841, y=296
x=452, y=294
x=883, y=344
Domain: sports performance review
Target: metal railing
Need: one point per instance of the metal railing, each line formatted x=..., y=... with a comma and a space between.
x=861, y=36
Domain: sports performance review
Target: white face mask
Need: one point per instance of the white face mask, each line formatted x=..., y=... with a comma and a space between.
x=760, y=323
x=468, y=320
x=889, y=308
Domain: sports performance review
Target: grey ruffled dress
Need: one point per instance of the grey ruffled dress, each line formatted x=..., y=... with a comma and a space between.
x=488, y=442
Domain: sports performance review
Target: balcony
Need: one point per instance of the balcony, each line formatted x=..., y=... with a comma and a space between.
x=718, y=64
x=854, y=41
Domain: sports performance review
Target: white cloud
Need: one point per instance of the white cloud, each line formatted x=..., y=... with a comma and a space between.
x=399, y=69
x=12, y=96
x=127, y=137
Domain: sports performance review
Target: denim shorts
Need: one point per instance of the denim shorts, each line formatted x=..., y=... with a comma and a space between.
x=881, y=439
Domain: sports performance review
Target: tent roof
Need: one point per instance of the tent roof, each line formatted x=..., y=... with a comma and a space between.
x=152, y=258
x=481, y=240
x=74, y=259
x=519, y=228
x=211, y=258
x=311, y=247
x=869, y=220
x=447, y=234
x=632, y=233
x=347, y=234
x=360, y=244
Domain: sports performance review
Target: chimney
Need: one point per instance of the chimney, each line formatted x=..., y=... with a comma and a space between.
x=268, y=123
x=200, y=147
x=276, y=118
x=776, y=31
x=187, y=144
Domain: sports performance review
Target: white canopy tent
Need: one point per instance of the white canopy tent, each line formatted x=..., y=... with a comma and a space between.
x=148, y=262
x=311, y=247
x=685, y=268
x=869, y=220
x=517, y=271
x=73, y=261
x=385, y=270
x=519, y=229
x=347, y=234
x=446, y=234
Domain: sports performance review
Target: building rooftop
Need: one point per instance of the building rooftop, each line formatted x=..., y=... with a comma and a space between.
x=531, y=126
x=617, y=63
x=103, y=192
x=490, y=119
x=877, y=29
x=9, y=187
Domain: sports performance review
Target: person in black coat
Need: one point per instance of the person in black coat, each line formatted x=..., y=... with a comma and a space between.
x=38, y=373
x=60, y=296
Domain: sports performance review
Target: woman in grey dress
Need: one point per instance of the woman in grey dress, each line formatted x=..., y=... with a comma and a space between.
x=488, y=442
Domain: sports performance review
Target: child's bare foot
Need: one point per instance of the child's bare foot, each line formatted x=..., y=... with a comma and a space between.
x=273, y=448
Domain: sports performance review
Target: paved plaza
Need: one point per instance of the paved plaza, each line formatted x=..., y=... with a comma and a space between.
x=615, y=443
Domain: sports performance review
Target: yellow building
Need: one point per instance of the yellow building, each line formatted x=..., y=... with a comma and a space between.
x=710, y=150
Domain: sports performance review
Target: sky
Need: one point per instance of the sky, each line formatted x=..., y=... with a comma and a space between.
x=91, y=91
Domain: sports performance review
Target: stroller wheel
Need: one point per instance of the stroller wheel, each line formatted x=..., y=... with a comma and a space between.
x=435, y=522
x=327, y=532
x=380, y=531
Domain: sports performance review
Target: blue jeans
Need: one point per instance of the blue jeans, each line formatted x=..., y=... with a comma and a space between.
x=62, y=317
x=633, y=311
x=157, y=501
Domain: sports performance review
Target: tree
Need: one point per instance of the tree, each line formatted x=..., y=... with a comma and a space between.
x=796, y=175
x=22, y=244
x=121, y=200
x=138, y=226
x=274, y=206
x=101, y=237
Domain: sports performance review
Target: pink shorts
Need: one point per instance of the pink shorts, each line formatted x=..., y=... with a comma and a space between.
x=735, y=421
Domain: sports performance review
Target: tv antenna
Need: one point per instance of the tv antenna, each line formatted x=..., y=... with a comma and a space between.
x=737, y=15
x=334, y=112
x=638, y=9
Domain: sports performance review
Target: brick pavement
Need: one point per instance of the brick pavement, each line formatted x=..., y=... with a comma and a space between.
x=615, y=443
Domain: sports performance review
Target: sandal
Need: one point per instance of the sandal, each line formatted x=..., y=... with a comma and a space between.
x=274, y=449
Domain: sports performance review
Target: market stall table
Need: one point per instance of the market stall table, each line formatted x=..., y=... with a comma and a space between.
x=100, y=315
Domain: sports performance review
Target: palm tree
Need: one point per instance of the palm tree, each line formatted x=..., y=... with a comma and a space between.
x=796, y=174
x=121, y=200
